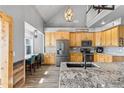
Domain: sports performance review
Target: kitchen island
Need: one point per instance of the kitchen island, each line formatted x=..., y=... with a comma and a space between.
x=104, y=75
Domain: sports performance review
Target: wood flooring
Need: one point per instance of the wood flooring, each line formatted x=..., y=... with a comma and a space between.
x=47, y=76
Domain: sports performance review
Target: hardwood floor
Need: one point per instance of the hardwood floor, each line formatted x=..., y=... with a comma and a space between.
x=47, y=76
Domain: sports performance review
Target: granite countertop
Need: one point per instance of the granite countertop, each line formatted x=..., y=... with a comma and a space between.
x=105, y=75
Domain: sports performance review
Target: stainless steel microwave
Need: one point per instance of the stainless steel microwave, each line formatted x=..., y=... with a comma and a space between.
x=86, y=43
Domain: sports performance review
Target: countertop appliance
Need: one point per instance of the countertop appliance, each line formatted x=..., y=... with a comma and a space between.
x=62, y=51
x=99, y=49
x=86, y=43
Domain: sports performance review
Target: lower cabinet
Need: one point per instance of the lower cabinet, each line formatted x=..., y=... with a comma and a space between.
x=49, y=58
x=103, y=58
x=76, y=57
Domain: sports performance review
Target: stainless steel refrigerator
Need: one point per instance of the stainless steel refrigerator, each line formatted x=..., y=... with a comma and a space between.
x=62, y=51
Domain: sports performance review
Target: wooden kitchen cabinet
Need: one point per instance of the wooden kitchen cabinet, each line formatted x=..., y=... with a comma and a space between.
x=84, y=35
x=102, y=57
x=50, y=39
x=97, y=38
x=72, y=39
x=47, y=39
x=108, y=38
x=121, y=31
x=62, y=35
x=76, y=57
x=65, y=35
x=103, y=38
x=99, y=57
x=49, y=58
x=78, y=38
x=107, y=58
x=115, y=36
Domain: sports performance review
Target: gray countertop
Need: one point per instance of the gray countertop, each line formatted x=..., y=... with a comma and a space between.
x=105, y=75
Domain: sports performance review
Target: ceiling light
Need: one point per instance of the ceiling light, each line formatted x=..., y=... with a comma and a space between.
x=68, y=15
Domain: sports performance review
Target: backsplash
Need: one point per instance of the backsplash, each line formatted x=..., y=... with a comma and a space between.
x=117, y=51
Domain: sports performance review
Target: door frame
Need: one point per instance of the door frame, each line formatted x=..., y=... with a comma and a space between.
x=7, y=51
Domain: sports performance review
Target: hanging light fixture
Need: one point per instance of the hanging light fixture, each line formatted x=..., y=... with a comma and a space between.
x=68, y=15
x=35, y=33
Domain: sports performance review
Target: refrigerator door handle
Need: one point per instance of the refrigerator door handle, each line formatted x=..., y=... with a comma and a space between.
x=57, y=51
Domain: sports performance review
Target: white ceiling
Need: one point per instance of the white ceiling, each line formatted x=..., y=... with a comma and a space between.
x=53, y=15
x=117, y=13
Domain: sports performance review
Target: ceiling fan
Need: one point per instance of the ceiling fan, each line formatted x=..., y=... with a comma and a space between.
x=99, y=8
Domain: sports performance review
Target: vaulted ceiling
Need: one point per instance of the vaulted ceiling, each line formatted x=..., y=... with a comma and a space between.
x=53, y=15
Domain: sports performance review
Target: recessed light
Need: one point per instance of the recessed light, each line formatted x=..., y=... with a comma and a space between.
x=103, y=22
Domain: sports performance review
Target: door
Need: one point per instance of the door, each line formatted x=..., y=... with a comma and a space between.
x=6, y=53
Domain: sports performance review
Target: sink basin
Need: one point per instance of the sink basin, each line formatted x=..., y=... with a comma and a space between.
x=82, y=65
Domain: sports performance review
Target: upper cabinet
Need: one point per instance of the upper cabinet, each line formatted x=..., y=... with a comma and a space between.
x=97, y=38
x=51, y=37
x=77, y=37
x=110, y=37
x=72, y=39
x=118, y=36
x=107, y=38
x=62, y=35
x=115, y=36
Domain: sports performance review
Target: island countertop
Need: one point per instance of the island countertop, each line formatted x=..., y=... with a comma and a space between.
x=105, y=75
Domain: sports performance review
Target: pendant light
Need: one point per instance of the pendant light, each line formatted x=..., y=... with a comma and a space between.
x=69, y=15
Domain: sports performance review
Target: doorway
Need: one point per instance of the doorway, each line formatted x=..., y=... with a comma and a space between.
x=6, y=51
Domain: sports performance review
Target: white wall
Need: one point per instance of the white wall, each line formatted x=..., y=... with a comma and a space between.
x=79, y=17
x=21, y=14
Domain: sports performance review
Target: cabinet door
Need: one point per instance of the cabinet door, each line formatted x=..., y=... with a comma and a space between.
x=95, y=58
x=79, y=57
x=78, y=38
x=46, y=58
x=52, y=58
x=65, y=35
x=47, y=39
x=89, y=36
x=83, y=36
x=108, y=39
x=72, y=39
x=72, y=57
x=98, y=38
x=115, y=36
x=108, y=58
x=101, y=58
x=52, y=39
x=58, y=35
x=121, y=31
x=103, y=38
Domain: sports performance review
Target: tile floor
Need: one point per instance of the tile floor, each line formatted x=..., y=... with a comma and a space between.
x=47, y=76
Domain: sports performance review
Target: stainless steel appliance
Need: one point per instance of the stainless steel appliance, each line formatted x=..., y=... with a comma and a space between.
x=86, y=43
x=62, y=51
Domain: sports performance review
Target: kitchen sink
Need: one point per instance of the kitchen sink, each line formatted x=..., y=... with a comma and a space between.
x=82, y=65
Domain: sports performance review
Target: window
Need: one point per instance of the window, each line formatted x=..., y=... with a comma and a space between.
x=28, y=46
